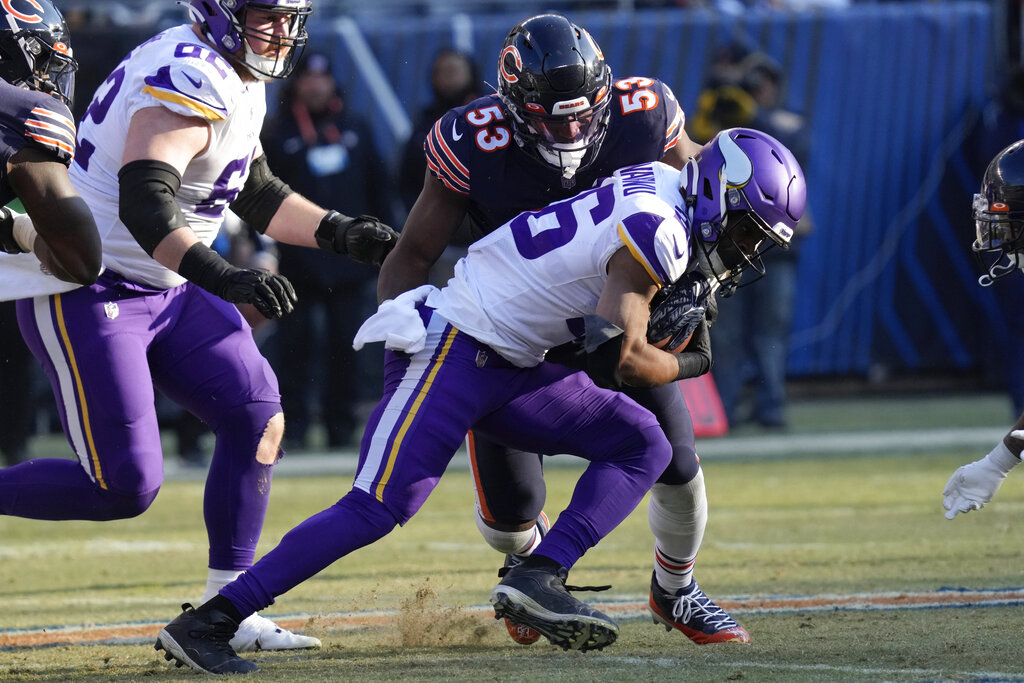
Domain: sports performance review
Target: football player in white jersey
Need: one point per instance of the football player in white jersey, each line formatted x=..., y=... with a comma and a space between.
x=470, y=356
x=168, y=144
x=999, y=229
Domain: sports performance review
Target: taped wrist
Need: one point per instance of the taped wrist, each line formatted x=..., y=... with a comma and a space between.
x=261, y=196
x=25, y=232
x=146, y=201
x=205, y=267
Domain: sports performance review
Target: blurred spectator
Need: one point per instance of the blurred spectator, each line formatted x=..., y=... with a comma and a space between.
x=327, y=153
x=455, y=81
x=16, y=404
x=750, y=341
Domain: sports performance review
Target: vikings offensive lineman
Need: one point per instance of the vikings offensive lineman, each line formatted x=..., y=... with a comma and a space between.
x=37, y=143
x=169, y=141
x=559, y=122
x=470, y=356
x=999, y=222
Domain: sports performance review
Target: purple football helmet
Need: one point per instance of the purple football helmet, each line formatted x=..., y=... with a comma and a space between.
x=747, y=193
x=35, y=48
x=223, y=23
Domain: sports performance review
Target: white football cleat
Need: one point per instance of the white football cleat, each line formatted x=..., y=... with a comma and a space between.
x=256, y=632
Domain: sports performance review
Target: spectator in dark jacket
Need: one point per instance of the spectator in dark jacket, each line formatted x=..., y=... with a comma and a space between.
x=327, y=153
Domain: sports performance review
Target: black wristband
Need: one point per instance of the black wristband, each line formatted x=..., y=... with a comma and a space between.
x=326, y=231
x=204, y=267
x=692, y=364
x=697, y=361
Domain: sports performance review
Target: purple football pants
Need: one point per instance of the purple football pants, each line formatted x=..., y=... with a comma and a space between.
x=430, y=400
x=104, y=349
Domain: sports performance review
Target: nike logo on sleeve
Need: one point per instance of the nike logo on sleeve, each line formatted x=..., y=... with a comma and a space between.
x=456, y=135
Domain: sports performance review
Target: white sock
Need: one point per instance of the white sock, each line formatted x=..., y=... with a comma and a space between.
x=677, y=516
x=217, y=579
x=509, y=542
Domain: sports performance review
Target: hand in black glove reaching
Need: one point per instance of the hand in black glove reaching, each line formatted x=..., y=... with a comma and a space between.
x=272, y=295
x=363, y=239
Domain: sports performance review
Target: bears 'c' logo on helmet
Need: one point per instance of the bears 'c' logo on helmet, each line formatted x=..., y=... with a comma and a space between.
x=517, y=60
x=22, y=16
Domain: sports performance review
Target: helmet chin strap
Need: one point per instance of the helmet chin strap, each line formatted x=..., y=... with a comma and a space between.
x=1001, y=268
x=569, y=162
x=262, y=68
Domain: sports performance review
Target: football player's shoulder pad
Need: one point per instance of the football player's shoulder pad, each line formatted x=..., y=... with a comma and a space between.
x=48, y=124
x=196, y=85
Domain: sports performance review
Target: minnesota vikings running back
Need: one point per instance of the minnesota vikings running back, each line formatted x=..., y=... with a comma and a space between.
x=560, y=122
x=470, y=356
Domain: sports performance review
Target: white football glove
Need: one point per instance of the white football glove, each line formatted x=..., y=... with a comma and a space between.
x=974, y=484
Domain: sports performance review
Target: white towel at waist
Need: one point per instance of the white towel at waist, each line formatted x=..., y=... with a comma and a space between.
x=397, y=323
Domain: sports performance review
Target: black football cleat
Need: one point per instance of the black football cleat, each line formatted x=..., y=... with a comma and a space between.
x=537, y=597
x=200, y=640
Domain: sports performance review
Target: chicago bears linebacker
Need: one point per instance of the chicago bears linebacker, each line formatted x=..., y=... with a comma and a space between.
x=998, y=213
x=469, y=356
x=559, y=122
x=168, y=143
x=56, y=246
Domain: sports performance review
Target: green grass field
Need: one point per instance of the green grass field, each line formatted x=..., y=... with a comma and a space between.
x=802, y=526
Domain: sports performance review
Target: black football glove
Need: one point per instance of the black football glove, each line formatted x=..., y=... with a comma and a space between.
x=7, y=242
x=272, y=295
x=678, y=308
x=363, y=239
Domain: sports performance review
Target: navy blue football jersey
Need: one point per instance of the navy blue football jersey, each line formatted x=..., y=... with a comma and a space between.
x=28, y=117
x=471, y=150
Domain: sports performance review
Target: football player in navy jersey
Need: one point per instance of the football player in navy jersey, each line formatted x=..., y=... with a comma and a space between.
x=999, y=229
x=37, y=143
x=559, y=122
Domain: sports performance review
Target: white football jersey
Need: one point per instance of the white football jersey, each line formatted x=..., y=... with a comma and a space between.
x=174, y=69
x=526, y=287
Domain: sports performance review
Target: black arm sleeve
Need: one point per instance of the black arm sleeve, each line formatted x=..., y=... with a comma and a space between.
x=261, y=196
x=147, y=204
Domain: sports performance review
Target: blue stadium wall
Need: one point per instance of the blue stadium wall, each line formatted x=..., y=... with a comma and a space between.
x=892, y=93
